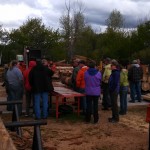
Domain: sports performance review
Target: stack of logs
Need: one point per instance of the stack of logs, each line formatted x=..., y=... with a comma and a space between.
x=64, y=71
x=146, y=82
x=146, y=78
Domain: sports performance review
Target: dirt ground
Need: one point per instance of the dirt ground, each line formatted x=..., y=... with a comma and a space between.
x=72, y=133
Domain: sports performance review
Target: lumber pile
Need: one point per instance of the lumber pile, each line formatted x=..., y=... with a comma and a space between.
x=146, y=78
x=62, y=71
x=86, y=59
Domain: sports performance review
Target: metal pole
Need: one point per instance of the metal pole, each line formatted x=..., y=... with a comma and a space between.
x=37, y=142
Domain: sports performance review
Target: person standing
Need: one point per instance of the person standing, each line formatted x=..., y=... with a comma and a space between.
x=28, y=92
x=92, y=79
x=46, y=64
x=134, y=77
x=75, y=64
x=5, y=84
x=124, y=84
x=41, y=84
x=80, y=84
x=141, y=69
x=14, y=78
x=106, y=74
x=114, y=85
x=76, y=68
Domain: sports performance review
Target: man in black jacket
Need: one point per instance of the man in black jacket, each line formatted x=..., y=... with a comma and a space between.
x=41, y=84
x=134, y=77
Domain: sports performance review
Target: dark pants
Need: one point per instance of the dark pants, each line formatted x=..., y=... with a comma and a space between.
x=16, y=93
x=114, y=103
x=29, y=99
x=106, y=96
x=9, y=107
x=92, y=107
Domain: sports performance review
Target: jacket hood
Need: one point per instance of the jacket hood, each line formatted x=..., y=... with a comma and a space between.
x=135, y=65
x=92, y=71
x=115, y=70
x=124, y=70
x=84, y=68
x=32, y=64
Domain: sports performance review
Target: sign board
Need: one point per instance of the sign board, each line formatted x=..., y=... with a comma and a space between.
x=19, y=57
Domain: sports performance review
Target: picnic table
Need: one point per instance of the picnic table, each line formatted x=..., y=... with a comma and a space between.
x=61, y=93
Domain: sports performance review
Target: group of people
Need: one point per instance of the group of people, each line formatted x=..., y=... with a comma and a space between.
x=113, y=81
x=36, y=81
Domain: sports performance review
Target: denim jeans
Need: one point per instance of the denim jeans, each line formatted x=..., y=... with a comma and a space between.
x=37, y=101
x=123, y=99
x=135, y=89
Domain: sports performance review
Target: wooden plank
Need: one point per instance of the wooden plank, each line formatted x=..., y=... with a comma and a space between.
x=6, y=142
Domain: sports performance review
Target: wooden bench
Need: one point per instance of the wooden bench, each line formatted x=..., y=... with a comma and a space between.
x=15, y=114
x=37, y=143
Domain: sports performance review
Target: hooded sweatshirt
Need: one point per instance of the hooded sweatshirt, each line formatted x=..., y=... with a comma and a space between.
x=80, y=83
x=92, y=79
x=114, y=81
x=124, y=77
x=26, y=74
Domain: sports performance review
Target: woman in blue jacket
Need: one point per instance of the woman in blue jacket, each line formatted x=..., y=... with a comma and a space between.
x=114, y=86
x=92, y=90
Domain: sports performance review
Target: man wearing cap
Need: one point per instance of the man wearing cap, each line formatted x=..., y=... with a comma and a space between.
x=134, y=77
x=106, y=75
x=75, y=64
x=114, y=87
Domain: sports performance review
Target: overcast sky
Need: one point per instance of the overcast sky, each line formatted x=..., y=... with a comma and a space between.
x=13, y=13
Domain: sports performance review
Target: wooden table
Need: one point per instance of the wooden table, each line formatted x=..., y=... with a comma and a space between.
x=62, y=93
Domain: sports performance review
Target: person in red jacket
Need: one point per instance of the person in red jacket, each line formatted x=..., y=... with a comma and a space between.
x=80, y=83
x=27, y=86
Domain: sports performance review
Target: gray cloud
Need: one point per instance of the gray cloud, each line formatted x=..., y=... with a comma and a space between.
x=140, y=0
x=96, y=11
x=31, y=3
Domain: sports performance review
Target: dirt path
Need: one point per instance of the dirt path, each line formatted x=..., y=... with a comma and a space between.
x=131, y=133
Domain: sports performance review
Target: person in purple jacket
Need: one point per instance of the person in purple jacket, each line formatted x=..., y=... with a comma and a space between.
x=114, y=87
x=92, y=79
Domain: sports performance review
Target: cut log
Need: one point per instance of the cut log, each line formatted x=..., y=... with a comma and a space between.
x=6, y=142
